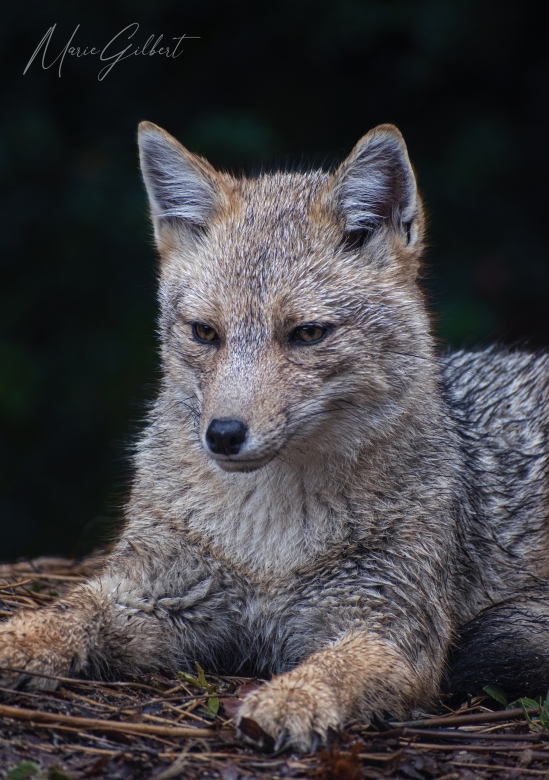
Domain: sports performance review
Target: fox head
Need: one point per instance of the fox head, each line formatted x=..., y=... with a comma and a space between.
x=290, y=318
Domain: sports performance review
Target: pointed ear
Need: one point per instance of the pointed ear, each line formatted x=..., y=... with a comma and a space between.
x=180, y=185
x=376, y=187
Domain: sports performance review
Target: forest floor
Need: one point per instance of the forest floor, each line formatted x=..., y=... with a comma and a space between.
x=168, y=726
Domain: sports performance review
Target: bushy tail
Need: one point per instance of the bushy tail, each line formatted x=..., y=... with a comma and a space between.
x=506, y=645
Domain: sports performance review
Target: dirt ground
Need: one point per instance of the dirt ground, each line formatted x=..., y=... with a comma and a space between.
x=169, y=726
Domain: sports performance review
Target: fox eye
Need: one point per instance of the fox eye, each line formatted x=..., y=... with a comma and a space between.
x=204, y=333
x=308, y=334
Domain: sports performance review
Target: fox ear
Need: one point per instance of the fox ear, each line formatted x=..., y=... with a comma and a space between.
x=180, y=185
x=376, y=186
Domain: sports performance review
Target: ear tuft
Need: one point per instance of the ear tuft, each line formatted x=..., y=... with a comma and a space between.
x=376, y=185
x=180, y=185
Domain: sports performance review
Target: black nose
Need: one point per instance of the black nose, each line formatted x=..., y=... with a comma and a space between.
x=225, y=437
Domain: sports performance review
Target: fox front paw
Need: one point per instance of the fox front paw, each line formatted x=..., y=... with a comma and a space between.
x=289, y=712
x=26, y=650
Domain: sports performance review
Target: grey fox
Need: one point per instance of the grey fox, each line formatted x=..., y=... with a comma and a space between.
x=319, y=495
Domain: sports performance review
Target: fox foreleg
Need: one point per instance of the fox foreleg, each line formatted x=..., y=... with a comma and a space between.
x=107, y=627
x=356, y=676
x=55, y=641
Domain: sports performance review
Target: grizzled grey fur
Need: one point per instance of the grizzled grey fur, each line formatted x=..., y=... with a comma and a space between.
x=384, y=509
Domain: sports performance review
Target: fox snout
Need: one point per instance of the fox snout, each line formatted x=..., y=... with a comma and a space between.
x=229, y=444
x=226, y=437
x=241, y=438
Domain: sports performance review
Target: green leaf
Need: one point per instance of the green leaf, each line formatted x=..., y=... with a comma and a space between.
x=544, y=718
x=189, y=679
x=200, y=682
x=55, y=774
x=213, y=704
x=526, y=702
x=201, y=676
x=529, y=703
x=496, y=693
x=211, y=708
x=23, y=770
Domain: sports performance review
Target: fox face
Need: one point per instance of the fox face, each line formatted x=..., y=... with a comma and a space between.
x=290, y=320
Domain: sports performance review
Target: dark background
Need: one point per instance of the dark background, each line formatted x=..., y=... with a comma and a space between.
x=296, y=80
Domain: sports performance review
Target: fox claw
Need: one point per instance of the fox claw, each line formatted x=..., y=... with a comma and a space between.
x=251, y=732
x=286, y=714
